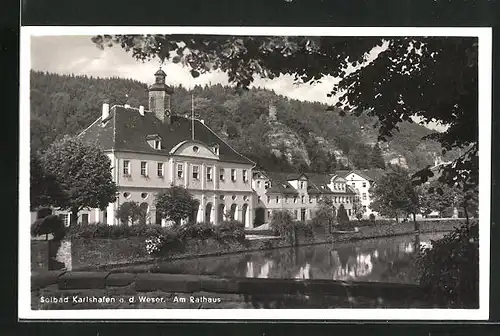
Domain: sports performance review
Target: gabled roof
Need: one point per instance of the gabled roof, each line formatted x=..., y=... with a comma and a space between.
x=367, y=174
x=280, y=184
x=127, y=130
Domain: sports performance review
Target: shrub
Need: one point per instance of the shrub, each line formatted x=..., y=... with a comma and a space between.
x=49, y=225
x=282, y=223
x=130, y=213
x=43, y=212
x=304, y=228
x=195, y=231
x=343, y=218
x=449, y=271
x=372, y=218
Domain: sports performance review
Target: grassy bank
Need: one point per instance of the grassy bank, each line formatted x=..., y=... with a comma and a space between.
x=94, y=253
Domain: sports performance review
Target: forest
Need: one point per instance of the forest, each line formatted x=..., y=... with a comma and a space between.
x=299, y=136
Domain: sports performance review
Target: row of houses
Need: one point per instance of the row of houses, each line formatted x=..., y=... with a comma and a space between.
x=153, y=149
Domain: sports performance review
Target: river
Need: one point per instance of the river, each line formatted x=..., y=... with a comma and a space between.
x=377, y=260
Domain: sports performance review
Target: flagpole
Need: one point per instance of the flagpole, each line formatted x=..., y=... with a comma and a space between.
x=192, y=116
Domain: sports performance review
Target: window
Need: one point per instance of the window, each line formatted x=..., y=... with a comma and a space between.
x=157, y=144
x=353, y=184
x=180, y=170
x=364, y=196
x=216, y=149
x=364, y=184
x=268, y=213
x=126, y=167
x=267, y=184
x=144, y=168
x=268, y=199
x=233, y=175
x=294, y=199
x=301, y=185
x=221, y=174
x=310, y=199
x=296, y=214
x=258, y=184
x=126, y=195
x=277, y=199
x=286, y=199
x=303, y=199
x=65, y=217
x=259, y=199
x=160, y=169
x=196, y=149
x=209, y=173
x=335, y=199
x=349, y=212
x=85, y=219
x=144, y=195
x=196, y=172
x=245, y=175
x=364, y=207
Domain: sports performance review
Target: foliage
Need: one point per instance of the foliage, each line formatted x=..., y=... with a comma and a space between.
x=343, y=218
x=394, y=194
x=372, y=217
x=51, y=224
x=102, y=230
x=77, y=168
x=175, y=203
x=130, y=213
x=357, y=208
x=325, y=215
x=433, y=78
x=450, y=269
x=43, y=186
x=282, y=222
x=377, y=160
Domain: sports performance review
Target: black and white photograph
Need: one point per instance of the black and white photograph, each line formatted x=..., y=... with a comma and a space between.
x=255, y=173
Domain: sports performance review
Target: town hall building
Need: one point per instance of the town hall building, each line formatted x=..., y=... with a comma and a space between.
x=154, y=149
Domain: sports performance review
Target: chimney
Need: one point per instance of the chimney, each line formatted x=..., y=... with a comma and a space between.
x=105, y=111
x=141, y=110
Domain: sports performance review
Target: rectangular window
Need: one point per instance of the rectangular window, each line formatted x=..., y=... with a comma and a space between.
x=209, y=173
x=303, y=199
x=286, y=199
x=126, y=167
x=144, y=168
x=295, y=199
x=301, y=185
x=258, y=199
x=245, y=175
x=221, y=174
x=353, y=184
x=160, y=169
x=180, y=170
x=364, y=184
x=364, y=196
x=349, y=212
x=196, y=172
x=269, y=214
x=64, y=218
x=85, y=218
x=277, y=199
x=268, y=199
x=310, y=199
x=267, y=185
x=157, y=144
x=335, y=199
x=233, y=175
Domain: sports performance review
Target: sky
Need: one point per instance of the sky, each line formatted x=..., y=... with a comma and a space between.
x=78, y=55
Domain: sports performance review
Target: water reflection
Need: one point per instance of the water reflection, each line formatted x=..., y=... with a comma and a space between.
x=388, y=260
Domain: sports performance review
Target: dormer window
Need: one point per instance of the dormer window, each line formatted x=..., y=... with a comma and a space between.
x=267, y=184
x=154, y=140
x=215, y=148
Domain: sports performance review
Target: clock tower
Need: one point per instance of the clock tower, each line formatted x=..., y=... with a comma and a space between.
x=159, y=97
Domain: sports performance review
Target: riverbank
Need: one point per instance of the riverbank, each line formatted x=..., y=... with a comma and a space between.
x=104, y=290
x=96, y=254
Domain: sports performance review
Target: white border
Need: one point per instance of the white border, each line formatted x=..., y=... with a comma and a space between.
x=484, y=97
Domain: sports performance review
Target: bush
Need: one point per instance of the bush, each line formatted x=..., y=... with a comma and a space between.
x=372, y=218
x=282, y=223
x=195, y=231
x=304, y=228
x=49, y=225
x=230, y=231
x=449, y=271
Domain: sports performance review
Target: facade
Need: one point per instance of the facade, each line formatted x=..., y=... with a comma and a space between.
x=154, y=149
x=298, y=193
x=361, y=181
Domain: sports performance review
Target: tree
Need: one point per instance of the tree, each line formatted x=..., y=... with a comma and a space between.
x=376, y=159
x=357, y=208
x=433, y=78
x=175, y=203
x=342, y=217
x=43, y=186
x=83, y=174
x=130, y=213
x=326, y=214
x=395, y=194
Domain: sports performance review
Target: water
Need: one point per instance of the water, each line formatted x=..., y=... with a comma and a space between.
x=377, y=260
